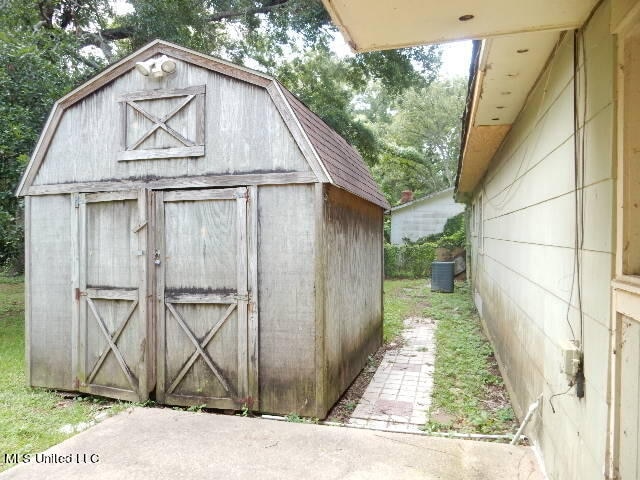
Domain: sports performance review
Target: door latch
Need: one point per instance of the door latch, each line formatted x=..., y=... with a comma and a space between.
x=156, y=257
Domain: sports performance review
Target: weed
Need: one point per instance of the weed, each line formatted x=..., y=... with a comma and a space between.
x=196, y=408
x=463, y=376
x=295, y=418
x=245, y=411
x=351, y=406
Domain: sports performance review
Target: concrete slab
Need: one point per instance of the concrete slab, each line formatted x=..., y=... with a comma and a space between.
x=167, y=444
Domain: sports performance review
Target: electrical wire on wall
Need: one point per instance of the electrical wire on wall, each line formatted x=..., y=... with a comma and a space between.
x=580, y=89
x=579, y=119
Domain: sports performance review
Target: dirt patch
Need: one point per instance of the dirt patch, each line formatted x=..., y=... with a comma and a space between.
x=342, y=410
x=496, y=397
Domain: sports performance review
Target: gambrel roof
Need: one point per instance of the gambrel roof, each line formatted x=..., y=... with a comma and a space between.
x=329, y=155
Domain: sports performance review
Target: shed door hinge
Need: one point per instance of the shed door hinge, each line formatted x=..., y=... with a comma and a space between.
x=79, y=293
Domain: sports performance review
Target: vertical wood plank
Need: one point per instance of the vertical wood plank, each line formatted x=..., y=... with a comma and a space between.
x=75, y=287
x=241, y=225
x=151, y=291
x=319, y=251
x=143, y=319
x=27, y=289
x=253, y=330
x=123, y=126
x=82, y=285
x=160, y=308
x=200, y=119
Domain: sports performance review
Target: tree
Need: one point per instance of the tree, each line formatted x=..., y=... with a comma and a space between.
x=429, y=120
x=328, y=86
x=35, y=69
x=49, y=46
x=403, y=168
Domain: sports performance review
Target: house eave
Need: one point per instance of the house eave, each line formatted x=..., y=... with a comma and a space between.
x=368, y=26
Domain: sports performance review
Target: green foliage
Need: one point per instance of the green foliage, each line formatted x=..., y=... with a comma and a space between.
x=30, y=419
x=196, y=408
x=49, y=47
x=402, y=168
x=295, y=418
x=245, y=411
x=402, y=299
x=454, y=225
x=420, y=134
x=414, y=258
x=408, y=261
x=327, y=85
x=463, y=377
x=35, y=69
x=452, y=236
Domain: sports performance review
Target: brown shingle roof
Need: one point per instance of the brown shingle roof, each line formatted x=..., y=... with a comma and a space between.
x=344, y=164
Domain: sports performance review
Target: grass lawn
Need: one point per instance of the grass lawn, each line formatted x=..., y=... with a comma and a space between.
x=30, y=419
x=402, y=299
x=468, y=393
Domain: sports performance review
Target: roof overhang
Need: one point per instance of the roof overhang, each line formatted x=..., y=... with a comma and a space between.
x=383, y=25
x=503, y=72
x=516, y=39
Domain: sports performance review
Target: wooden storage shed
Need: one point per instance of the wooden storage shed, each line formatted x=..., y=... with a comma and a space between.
x=200, y=237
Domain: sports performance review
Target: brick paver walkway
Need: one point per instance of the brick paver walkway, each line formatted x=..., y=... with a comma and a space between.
x=399, y=394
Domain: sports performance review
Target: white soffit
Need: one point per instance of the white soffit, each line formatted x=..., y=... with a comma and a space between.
x=386, y=24
x=511, y=64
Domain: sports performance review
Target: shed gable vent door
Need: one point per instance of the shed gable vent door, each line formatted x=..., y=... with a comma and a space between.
x=111, y=294
x=201, y=278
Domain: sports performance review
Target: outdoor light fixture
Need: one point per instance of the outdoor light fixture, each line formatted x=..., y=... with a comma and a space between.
x=156, y=67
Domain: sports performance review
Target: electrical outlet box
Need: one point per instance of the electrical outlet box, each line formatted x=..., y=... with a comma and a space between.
x=570, y=359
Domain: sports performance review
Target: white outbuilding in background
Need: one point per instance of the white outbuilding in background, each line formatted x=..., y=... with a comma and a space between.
x=422, y=217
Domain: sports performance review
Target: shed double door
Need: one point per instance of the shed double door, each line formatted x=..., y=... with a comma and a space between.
x=166, y=297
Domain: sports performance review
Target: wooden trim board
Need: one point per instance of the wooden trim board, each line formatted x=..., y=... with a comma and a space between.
x=177, y=183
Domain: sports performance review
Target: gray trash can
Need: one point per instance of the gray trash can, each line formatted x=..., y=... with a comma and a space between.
x=442, y=277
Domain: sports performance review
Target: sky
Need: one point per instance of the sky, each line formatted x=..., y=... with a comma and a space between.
x=456, y=58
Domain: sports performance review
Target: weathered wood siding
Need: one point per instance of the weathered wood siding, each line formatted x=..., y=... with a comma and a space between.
x=353, y=287
x=424, y=217
x=286, y=277
x=524, y=265
x=49, y=316
x=243, y=132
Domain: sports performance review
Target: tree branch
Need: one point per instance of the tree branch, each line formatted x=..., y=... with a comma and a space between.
x=272, y=4
x=121, y=33
x=107, y=35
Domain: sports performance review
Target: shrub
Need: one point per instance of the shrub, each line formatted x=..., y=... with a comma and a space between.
x=413, y=259
x=408, y=261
